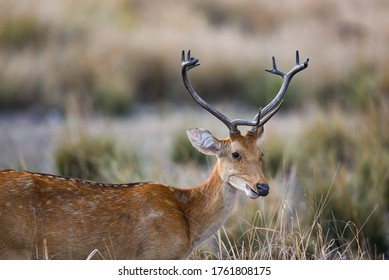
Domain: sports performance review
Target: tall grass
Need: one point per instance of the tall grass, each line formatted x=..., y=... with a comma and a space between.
x=328, y=177
x=101, y=52
x=329, y=194
x=330, y=185
x=97, y=158
x=329, y=191
x=281, y=235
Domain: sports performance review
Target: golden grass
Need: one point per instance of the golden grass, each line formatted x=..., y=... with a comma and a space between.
x=331, y=198
x=121, y=52
x=328, y=166
x=329, y=192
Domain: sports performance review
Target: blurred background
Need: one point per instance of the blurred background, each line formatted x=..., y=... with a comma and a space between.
x=93, y=89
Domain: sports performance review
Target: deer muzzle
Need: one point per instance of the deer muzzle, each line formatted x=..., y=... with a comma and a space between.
x=261, y=190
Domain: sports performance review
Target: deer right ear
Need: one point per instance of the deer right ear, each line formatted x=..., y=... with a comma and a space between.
x=204, y=141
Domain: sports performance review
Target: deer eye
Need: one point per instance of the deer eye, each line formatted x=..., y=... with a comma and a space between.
x=236, y=155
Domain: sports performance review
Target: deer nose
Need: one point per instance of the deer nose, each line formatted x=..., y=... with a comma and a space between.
x=263, y=189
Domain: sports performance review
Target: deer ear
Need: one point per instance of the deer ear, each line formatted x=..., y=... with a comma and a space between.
x=260, y=134
x=257, y=134
x=204, y=141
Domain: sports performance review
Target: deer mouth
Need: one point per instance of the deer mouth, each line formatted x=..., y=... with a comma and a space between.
x=261, y=190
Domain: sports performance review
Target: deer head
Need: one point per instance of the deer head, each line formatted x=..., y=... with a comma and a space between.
x=239, y=157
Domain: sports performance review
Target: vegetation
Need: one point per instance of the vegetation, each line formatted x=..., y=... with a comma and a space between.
x=96, y=159
x=328, y=203
x=326, y=152
x=183, y=152
x=101, y=53
x=84, y=159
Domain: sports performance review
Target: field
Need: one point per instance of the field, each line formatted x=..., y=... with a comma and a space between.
x=93, y=89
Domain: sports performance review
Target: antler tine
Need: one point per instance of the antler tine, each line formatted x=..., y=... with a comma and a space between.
x=263, y=115
x=285, y=83
x=274, y=70
x=188, y=64
x=270, y=114
x=262, y=120
x=232, y=125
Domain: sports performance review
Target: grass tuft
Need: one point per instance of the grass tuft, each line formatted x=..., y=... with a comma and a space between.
x=183, y=152
x=95, y=159
x=17, y=32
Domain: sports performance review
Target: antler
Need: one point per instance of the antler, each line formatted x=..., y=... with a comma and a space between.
x=263, y=115
x=232, y=125
x=271, y=108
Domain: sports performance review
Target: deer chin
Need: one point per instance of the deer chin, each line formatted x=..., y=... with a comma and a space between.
x=262, y=190
x=251, y=193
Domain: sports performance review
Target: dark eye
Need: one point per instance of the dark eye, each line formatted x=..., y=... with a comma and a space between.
x=235, y=155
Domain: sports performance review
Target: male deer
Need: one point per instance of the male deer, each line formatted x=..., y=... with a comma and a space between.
x=52, y=217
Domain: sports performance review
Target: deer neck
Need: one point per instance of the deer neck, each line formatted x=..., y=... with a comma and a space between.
x=208, y=207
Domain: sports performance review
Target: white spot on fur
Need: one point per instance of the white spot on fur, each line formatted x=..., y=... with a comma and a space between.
x=155, y=214
x=25, y=182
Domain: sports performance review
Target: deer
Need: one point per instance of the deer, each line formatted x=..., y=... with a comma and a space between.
x=45, y=216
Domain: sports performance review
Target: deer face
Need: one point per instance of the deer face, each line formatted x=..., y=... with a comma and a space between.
x=239, y=159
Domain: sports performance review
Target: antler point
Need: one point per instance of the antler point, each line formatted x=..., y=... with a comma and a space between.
x=297, y=58
x=267, y=112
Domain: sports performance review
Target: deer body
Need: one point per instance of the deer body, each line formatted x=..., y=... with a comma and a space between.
x=61, y=218
x=52, y=217
x=64, y=218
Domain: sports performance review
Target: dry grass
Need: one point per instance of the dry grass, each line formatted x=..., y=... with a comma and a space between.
x=114, y=54
x=327, y=164
x=328, y=195
x=329, y=198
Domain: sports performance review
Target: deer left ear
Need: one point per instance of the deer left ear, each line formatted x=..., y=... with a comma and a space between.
x=204, y=141
x=260, y=133
x=256, y=133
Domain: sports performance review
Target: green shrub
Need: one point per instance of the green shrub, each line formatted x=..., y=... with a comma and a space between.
x=274, y=156
x=184, y=152
x=84, y=158
x=153, y=79
x=97, y=159
x=348, y=166
x=260, y=88
x=20, y=31
x=11, y=95
x=112, y=100
x=352, y=91
x=328, y=141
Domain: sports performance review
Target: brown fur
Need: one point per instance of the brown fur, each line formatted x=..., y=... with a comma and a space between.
x=45, y=216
